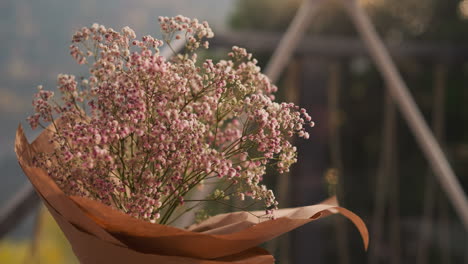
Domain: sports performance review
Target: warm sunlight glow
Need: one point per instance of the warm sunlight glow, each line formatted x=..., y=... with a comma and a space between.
x=463, y=9
x=370, y=2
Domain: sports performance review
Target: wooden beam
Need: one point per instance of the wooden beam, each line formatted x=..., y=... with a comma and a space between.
x=292, y=37
x=339, y=46
x=409, y=110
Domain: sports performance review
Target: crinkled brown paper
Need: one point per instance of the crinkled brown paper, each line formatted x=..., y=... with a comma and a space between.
x=100, y=234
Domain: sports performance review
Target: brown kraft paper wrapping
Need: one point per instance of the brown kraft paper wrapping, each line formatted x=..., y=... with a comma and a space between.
x=100, y=234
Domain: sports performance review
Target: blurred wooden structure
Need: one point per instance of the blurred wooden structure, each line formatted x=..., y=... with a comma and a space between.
x=341, y=47
x=327, y=51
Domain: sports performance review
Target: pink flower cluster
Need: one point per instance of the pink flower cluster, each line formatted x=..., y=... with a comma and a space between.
x=141, y=131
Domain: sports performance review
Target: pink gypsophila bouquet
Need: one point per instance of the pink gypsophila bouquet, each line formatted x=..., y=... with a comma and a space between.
x=141, y=132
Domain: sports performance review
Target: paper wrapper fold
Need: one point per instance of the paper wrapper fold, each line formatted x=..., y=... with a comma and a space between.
x=100, y=234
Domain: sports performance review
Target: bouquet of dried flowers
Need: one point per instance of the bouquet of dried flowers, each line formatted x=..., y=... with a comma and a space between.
x=123, y=148
x=141, y=131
